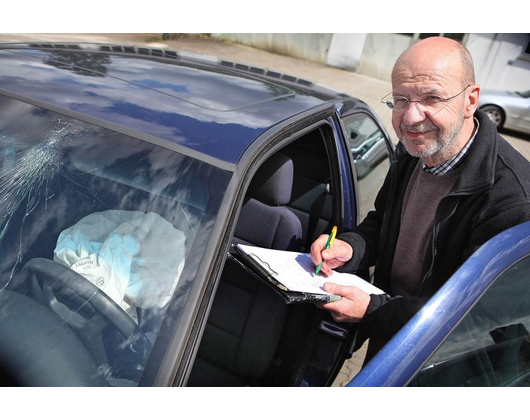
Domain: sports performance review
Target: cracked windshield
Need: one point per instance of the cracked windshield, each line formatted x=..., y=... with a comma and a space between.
x=84, y=210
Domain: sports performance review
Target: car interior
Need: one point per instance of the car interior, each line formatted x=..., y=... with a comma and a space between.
x=252, y=337
x=77, y=305
x=58, y=329
x=73, y=334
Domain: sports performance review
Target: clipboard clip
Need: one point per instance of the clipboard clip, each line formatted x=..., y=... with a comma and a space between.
x=264, y=263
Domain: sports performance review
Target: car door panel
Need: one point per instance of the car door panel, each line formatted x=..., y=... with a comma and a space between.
x=467, y=326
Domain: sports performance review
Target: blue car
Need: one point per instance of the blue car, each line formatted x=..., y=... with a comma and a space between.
x=128, y=174
x=473, y=331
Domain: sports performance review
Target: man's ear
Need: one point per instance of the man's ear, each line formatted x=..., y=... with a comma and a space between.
x=472, y=101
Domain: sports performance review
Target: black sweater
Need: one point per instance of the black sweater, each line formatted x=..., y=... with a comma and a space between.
x=491, y=195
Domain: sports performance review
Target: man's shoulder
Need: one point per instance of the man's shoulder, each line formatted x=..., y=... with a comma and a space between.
x=511, y=160
x=510, y=190
x=508, y=162
x=507, y=200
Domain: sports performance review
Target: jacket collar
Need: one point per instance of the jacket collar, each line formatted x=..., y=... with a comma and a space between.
x=478, y=170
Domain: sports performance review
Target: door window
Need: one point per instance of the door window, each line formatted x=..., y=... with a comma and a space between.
x=370, y=154
x=491, y=346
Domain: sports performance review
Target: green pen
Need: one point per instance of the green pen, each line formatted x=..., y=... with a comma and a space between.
x=331, y=238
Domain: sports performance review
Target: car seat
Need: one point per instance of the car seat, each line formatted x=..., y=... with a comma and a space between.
x=247, y=317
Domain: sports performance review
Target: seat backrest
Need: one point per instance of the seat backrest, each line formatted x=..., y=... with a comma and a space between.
x=247, y=317
x=264, y=220
x=311, y=198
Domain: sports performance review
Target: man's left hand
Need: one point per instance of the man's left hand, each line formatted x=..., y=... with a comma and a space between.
x=353, y=305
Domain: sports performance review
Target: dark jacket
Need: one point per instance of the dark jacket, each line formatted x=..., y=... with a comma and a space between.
x=491, y=195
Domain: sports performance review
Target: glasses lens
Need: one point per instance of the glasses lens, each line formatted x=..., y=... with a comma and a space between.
x=400, y=103
x=389, y=104
x=387, y=100
x=431, y=101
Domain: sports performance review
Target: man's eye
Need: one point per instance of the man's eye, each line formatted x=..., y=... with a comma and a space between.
x=431, y=100
x=399, y=100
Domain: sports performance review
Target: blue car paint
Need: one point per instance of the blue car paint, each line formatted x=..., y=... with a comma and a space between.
x=230, y=115
x=217, y=113
x=349, y=199
x=406, y=353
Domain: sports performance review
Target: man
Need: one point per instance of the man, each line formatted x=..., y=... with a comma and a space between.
x=454, y=183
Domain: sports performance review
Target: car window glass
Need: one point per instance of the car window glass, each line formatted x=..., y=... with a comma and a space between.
x=83, y=210
x=370, y=155
x=491, y=346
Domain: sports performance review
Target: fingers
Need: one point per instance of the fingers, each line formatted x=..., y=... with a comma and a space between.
x=333, y=288
x=340, y=252
x=339, y=290
x=326, y=270
x=353, y=305
x=333, y=257
x=316, y=249
x=316, y=255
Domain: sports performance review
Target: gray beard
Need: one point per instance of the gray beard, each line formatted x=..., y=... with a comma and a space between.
x=443, y=142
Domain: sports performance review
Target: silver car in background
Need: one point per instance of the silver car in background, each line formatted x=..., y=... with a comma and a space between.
x=507, y=109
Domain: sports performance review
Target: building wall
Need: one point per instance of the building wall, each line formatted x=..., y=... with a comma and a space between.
x=346, y=50
x=380, y=52
x=497, y=57
x=311, y=47
x=337, y=50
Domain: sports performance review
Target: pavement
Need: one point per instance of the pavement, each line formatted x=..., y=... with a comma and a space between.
x=369, y=89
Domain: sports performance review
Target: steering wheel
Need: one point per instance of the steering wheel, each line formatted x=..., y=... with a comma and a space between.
x=64, y=281
x=79, y=302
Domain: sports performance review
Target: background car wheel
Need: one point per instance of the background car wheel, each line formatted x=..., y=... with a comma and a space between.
x=495, y=114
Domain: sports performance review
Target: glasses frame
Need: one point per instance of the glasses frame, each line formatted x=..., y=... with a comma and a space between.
x=390, y=103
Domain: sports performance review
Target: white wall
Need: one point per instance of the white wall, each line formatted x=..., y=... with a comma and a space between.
x=498, y=62
x=346, y=50
x=311, y=47
x=337, y=50
x=497, y=57
x=380, y=53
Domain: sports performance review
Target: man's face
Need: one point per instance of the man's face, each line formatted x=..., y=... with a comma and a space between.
x=431, y=134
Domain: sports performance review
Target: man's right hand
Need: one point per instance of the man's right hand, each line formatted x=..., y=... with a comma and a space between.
x=335, y=256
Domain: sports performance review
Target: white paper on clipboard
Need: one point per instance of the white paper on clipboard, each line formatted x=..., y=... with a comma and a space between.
x=296, y=271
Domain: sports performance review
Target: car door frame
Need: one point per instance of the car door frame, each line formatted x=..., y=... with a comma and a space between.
x=403, y=356
x=170, y=364
x=348, y=109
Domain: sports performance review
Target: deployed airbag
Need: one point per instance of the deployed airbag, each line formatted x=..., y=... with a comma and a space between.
x=134, y=257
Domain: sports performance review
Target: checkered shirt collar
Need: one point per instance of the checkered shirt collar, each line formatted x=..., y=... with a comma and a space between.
x=452, y=163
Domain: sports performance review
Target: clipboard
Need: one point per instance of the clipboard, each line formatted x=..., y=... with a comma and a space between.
x=291, y=274
x=288, y=296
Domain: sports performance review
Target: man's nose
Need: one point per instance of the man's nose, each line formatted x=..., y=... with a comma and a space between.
x=413, y=114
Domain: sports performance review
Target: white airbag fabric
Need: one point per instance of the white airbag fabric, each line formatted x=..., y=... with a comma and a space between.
x=134, y=257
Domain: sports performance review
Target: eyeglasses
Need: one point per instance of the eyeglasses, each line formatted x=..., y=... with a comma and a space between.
x=430, y=102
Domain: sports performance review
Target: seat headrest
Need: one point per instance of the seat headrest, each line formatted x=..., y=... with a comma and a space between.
x=273, y=182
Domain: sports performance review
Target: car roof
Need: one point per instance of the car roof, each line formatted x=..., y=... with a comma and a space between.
x=212, y=106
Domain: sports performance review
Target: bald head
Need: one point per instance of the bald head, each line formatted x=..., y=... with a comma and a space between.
x=438, y=54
